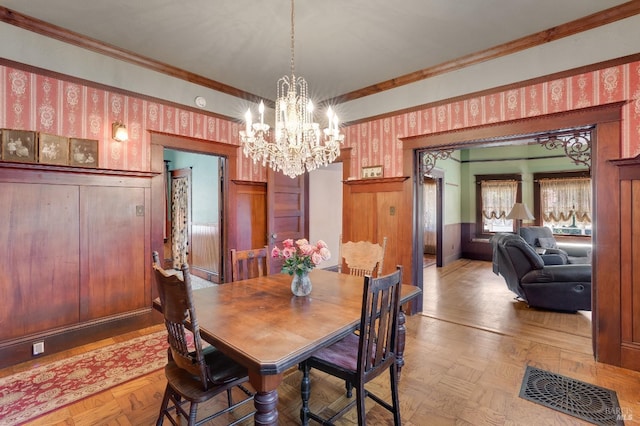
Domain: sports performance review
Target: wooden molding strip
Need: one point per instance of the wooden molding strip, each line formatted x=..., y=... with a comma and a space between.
x=604, y=17
x=49, y=30
x=595, y=20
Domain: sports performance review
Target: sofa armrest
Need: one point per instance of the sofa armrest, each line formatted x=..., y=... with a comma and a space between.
x=554, y=259
x=559, y=274
x=575, y=250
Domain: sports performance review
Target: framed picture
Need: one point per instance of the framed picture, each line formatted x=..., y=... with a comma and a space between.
x=83, y=152
x=372, y=172
x=19, y=145
x=53, y=149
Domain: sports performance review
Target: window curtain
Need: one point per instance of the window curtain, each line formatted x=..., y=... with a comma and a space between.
x=179, y=224
x=565, y=201
x=498, y=198
x=430, y=215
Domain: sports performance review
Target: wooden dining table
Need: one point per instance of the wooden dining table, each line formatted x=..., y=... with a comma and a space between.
x=260, y=324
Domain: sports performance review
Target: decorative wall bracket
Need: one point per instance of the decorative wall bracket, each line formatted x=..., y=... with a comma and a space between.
x=428, y=159
x=577, y=146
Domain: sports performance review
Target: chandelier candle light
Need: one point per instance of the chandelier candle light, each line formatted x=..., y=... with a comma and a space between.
x=298, y=143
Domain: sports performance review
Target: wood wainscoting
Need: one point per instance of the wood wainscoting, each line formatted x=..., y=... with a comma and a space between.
x=205, y=249
x=371, y=212
x=76, y=247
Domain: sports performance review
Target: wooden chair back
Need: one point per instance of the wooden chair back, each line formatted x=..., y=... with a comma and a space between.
x=247, y=264
x=363, y=257
x=194, y=375
x=358, y=359
x=378, y=324
x=176, y=299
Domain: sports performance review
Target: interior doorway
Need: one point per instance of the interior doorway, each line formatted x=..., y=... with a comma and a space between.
x=194, y=212
x=325, y=209
x=432, y=214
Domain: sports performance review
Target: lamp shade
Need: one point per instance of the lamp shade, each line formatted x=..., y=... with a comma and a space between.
x=520, y=211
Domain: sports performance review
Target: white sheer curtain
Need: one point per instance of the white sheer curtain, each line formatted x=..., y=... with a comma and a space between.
x=430, y=215
x=498, y=197
x=566, y=201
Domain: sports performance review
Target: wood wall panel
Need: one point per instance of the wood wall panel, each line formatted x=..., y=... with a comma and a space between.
x=39, y=240
x=113, y=247
x=205, y=243
x=630, y=263
x=388, y=211
x=452, y=242
x=362, y=218
x=75, y=265
x=374, y=211
x=252, y=215
x=631, y=290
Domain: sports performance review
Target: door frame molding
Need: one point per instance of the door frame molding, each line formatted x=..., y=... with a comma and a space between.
x=229, y=158
x=606, y=146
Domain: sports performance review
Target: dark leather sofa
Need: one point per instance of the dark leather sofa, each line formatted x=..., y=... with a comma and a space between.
x=554, y=287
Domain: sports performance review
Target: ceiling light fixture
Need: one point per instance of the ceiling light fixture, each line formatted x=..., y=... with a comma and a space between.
x=298, y=142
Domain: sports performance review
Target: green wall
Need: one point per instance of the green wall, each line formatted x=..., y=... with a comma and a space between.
x=451, y=209
x=204, y=178
x=521, y=159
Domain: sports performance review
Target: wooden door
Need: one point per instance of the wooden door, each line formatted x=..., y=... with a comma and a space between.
x=287, y=215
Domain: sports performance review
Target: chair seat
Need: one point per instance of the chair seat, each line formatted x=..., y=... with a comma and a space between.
x=189, y=387
x=343, y=353
x=222, y=369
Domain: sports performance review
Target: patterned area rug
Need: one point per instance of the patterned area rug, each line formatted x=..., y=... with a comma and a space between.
x=29, y=394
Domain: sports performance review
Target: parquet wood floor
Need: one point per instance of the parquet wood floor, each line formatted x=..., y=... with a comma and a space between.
x=465, y=360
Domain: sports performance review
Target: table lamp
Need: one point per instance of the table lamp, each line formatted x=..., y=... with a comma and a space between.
x=520, y=212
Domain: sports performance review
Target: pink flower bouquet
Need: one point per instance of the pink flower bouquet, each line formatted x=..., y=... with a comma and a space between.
x=301, y=257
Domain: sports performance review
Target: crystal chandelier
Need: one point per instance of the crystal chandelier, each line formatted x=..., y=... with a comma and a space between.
x=298, y=142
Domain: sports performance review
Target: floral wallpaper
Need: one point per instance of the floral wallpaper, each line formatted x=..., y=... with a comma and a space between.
x=378, y=141
x=30, y=101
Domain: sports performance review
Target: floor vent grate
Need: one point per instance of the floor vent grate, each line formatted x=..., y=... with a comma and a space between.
x=579, y=399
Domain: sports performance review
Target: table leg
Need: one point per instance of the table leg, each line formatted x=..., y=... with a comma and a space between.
x=266, y=399
x=402, y=334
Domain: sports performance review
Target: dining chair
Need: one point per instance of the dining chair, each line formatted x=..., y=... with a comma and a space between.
x=357, y=359
x=194, y=375
x=362, y=257
x=251, y=263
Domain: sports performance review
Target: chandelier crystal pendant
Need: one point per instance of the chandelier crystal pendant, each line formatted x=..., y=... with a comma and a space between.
x=298, y=142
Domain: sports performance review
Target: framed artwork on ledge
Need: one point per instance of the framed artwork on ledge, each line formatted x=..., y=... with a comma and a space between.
x=53, y=149
x=83, y=152
x=19, y=145
x=372, y=172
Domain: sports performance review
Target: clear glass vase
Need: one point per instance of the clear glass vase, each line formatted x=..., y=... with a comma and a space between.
x=301, y=284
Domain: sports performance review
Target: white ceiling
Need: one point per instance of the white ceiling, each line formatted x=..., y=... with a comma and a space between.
x=340, y=45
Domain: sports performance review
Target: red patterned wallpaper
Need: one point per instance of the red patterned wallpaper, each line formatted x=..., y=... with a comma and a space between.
x=377, y=141
x=30, y=101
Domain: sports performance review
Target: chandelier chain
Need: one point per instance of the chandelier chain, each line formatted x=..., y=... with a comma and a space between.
x=293, y=40
x=297, y=142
